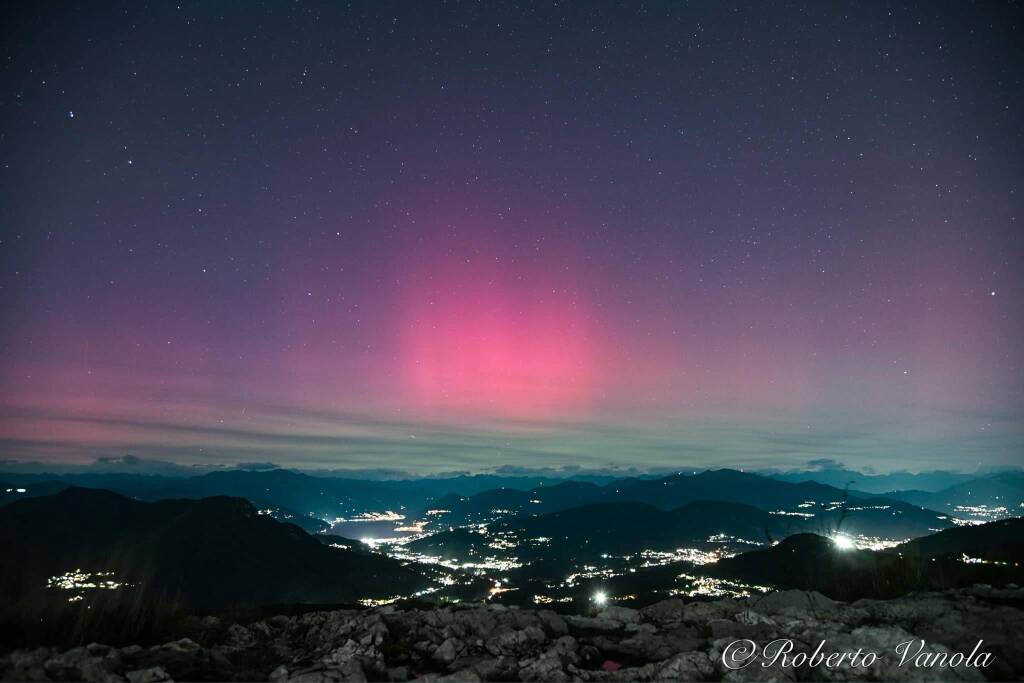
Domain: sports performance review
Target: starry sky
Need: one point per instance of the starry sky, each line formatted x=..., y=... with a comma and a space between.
x=440, y=236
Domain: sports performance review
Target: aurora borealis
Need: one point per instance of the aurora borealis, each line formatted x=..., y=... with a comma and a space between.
x=458, y=236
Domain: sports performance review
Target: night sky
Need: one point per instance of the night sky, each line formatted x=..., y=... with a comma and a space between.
x=459, y=236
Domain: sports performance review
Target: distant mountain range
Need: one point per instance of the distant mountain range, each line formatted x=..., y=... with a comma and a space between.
x=297, y=496
x=551, y=545
x=306, y=500
x=222, y=551
x=1004, y=490
x=628, y=527
x=841, y=477
x=214, y=552
x=582, y=533
x=295, y=493
x=831, y=509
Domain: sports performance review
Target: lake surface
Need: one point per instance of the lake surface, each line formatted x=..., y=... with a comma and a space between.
x=358, y=531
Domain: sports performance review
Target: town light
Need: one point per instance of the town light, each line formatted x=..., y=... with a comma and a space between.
x=843, y=542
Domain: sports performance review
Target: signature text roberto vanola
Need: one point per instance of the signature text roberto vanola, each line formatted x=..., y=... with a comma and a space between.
x=787, y=654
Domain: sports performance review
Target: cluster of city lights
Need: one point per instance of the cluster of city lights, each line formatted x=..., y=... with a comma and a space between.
x=709, y=587
x=784, y=513
x=966, y=559
x=984, y=513
x=862, y=542
x=726, y=538
x=496, y=553
x=385, y=516
x=380, y=602
x=79, y=581
x=844, y=542
x=657, y=558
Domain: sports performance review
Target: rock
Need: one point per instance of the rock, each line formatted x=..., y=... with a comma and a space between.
x=592, y=623
x=516, y=642
x=728, y=628
x=449, y=650
x=399, y=673
x=620, y=614
x=885, y=640
x=689, y=666
x=350, y=671
x=497, y=668
x=704, y=612
x=551, y=665
x=770, y=674
x=664, y=612
x=463, y=676
x=647, y=645
x=779, y=601
x=553, y=624
x=185, y=646
x=26, y=665
x=154, y=674
x=239, y=636
x=373, y=630
x=101, y=670
x=546, y=668
x=665, y=641
x=751, y=617
x=564, y=646
x=90, y=663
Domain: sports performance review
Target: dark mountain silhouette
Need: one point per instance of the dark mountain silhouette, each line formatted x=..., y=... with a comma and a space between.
x=308, y=500
x=1005, y=489
x=832, y=509
x=507, y=502
x=999, y=541
x=212, y=552
x=588, y=531
x=307, y=523
x=457, y=544
x=841, y=477
x=812, y=562
x=727, y=485
x=10, y=493
x=879, y=518
x=322, y=496
x=802, y=560
x=628, y=527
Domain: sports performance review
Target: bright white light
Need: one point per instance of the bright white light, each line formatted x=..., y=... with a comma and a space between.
x=843, y=542
x=600, y=597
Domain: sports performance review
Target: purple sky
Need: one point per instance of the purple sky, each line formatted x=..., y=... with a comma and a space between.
x=433, y=236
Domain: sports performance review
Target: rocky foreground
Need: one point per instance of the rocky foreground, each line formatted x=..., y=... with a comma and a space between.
x=670, y=640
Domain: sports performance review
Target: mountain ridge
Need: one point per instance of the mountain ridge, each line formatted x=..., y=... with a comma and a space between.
x=215, y=551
